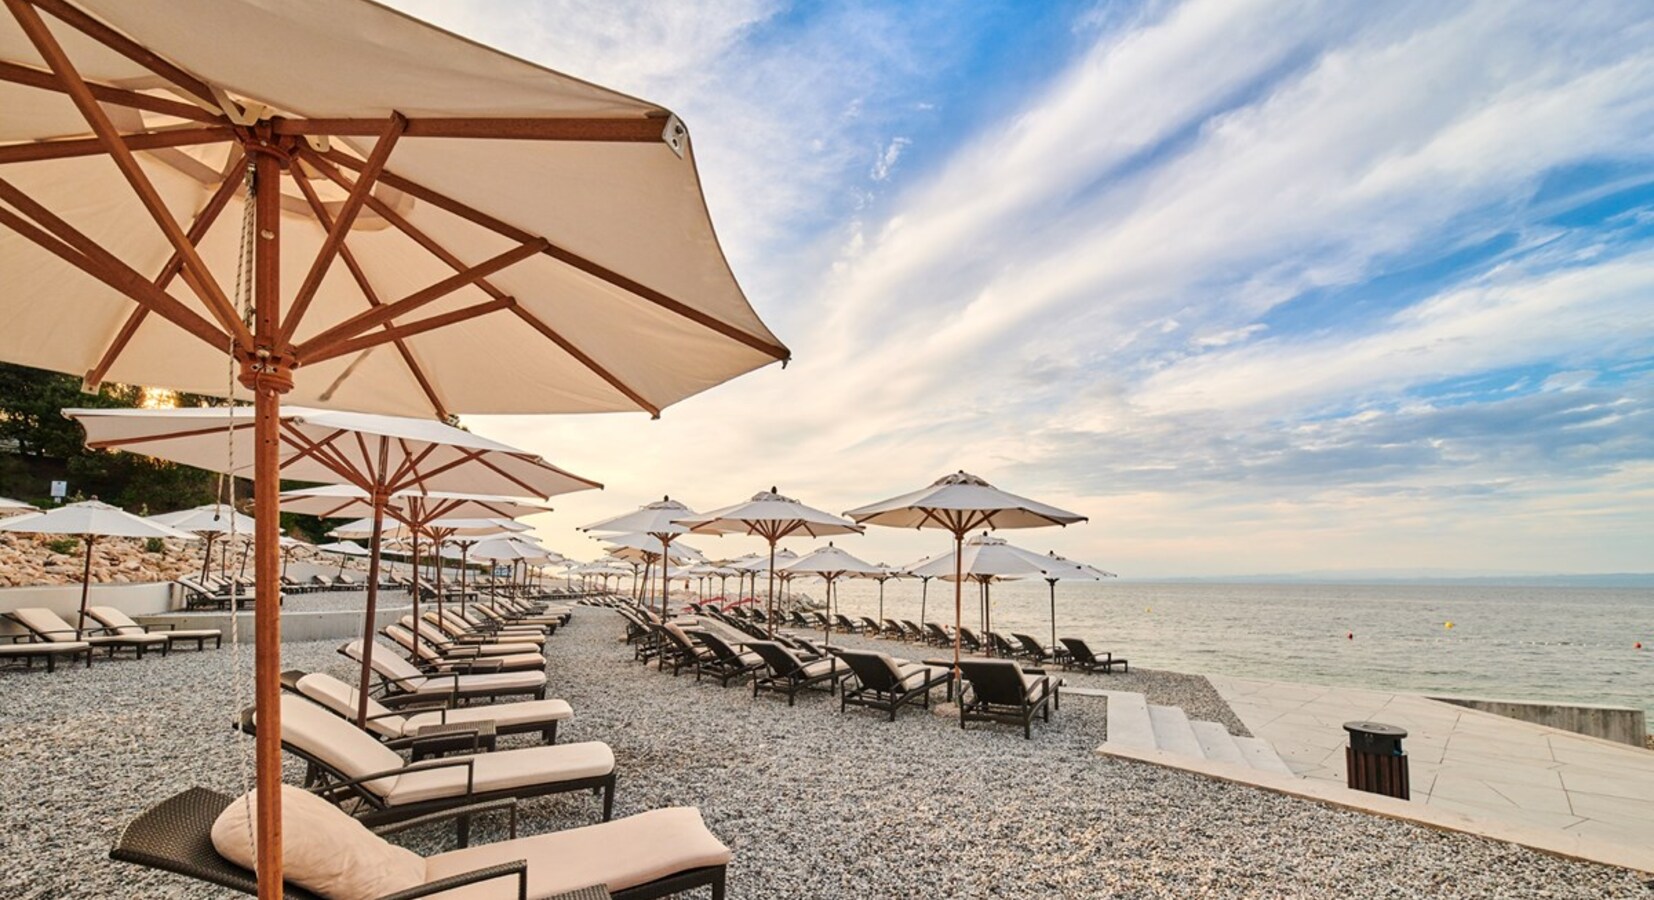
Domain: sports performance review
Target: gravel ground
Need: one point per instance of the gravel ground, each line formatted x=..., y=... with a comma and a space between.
x=813, y=803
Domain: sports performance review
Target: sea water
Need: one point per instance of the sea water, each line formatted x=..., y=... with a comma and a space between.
x=1571, y=645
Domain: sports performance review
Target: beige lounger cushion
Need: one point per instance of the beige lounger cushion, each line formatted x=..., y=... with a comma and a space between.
x=818, y=667
x=323, y=850
x=503, y=770
x=911, y=675
x=621, y=854
x=503, y=715
x=341, y=698
x=408, y=678
x=43, y=647
x=516, y=660
x=338, y=743
x=45, y=622
x=122, y=624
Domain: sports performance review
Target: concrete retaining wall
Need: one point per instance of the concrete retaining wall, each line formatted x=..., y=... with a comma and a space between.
x=1612, y=723
x=64, y=599
x=295, y=626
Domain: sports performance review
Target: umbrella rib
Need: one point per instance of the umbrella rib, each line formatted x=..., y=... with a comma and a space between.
x=569, y=258
x=551, y=334
x=127, y=47
x=647, y=130
x=400, y=332
x=485, y=463
x=197, y=275
x=390, y=132
x=198, y=230
x=418, y=478
x=40, y=78
x=70, y=148
x=168, y=436
x=356, y=326
x=72, y=247
x=361, y=277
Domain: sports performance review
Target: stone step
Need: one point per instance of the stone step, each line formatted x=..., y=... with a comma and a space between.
x=1128, y=720
x=1217, y=744
x=1261, y=755
x=1172, y=732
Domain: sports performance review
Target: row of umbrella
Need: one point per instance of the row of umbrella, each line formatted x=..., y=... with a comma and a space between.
x=959, y=503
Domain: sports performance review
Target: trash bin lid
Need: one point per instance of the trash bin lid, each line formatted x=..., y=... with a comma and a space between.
x=1376, y=729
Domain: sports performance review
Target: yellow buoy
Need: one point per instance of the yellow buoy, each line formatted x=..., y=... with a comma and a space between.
x=1448, y=626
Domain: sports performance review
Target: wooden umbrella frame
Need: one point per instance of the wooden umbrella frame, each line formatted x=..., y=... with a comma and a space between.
x=266, y=352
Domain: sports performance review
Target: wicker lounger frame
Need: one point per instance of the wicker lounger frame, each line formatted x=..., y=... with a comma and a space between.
x=175, y=836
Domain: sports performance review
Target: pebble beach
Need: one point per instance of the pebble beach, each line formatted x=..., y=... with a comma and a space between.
x=812, y=802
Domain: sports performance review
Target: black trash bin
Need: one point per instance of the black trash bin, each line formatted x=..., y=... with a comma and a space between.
x=1374, y=759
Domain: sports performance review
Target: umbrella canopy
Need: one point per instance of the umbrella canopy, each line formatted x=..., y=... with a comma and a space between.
x=644, y=546
x=831, y=563
x=961, y=503
x=412, y=508
x=508, y=549
x=393, y=452
x=213, y=518
x=211, y=521
x=90, y=520
x=782, y=558
x=346, y=548
x=985, y=556
x=770, y=516
x=10, y=507
x=659, y=518
x=516, y=240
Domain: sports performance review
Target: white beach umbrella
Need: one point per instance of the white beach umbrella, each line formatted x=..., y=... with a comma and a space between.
x=959, y=504
x=90, y=520
x=212, y=521
x=370, y=457
x=659, y=520
x=517, y=240
x=10, y=507
x=772, y=517
x=831, y=563
x=344, y=548
x=882, y=573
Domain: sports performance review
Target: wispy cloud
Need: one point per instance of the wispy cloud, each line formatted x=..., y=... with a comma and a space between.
x=1259, y=285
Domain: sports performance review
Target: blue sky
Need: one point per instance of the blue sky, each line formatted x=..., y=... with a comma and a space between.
x=1258, y=286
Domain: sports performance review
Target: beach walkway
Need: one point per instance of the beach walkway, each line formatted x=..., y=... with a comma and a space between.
x=1463, y=760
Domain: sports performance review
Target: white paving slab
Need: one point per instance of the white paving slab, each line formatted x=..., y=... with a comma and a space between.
x=1463, y=760
x=1217, y=743
x=1172, y=732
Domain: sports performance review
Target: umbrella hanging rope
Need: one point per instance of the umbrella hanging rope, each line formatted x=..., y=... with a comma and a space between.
x=243, y=298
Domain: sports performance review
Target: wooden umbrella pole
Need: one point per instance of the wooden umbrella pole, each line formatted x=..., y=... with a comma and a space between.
x=771, y=622
x=206, y=557
x=1053, y=583
x=85, y=586
x=373, y=597
x=464, y=550
x=268, y=375
x=958, y=595
x=415, y=558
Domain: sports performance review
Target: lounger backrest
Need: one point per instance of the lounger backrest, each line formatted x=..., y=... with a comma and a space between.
x=1078, y=649
x=998, y=681
x=317, y=733
x=341, y=699
x=44, y=624
x=719, y=647
x=389, y=666
x=114, y=620
x=874, y=670
x=781, y=661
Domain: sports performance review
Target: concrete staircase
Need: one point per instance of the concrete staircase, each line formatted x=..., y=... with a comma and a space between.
x=1135, y=726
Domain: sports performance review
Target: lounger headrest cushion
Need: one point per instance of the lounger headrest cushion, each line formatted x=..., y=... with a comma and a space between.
x=338, y=743
x=115, y=619
x=324, y=850
x=341, y=698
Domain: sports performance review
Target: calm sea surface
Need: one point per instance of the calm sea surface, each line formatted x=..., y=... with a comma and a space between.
x=1541, y=643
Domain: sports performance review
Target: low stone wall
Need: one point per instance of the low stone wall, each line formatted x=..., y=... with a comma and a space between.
x=1620, y=724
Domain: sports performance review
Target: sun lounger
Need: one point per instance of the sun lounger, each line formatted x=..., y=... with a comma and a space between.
x=845, y=624
x=435, y=652
x=402, y=683
x=679, y=650
x=28, y=649
x=1081, y=656
x=117, y=622
x=911, y=631
x=999, y=690
x=726, y=663
x=48, y=626
x=1029, y=647
x=198, y=595
x=354, y=766
x=999, y=646
x=201, y=834
x=787, y=673
x=451, y=626
x=522, y=717
x=968, y=640
x=934, y=634
x=883, y=683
